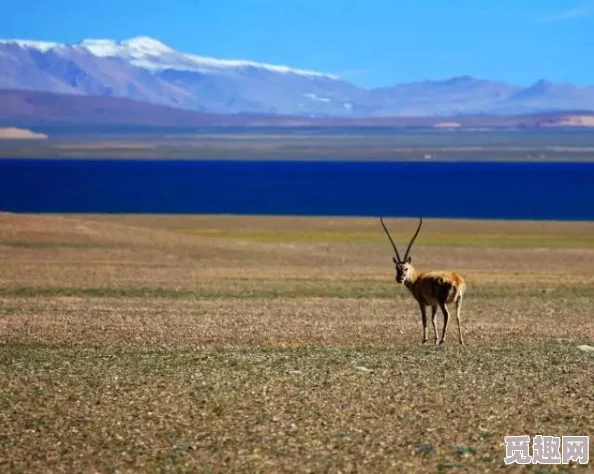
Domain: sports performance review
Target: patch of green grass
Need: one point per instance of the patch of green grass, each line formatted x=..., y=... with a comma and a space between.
x=550, y=469
x=447, y=466
x=93, y=292
x=41, y=244
x=510, y=240
x=431, y=239
x=283, y=235
x=246, y=289
x=293, y=288
x=465, y=451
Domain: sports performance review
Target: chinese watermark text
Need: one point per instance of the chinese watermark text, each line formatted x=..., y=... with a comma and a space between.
x=547, y=449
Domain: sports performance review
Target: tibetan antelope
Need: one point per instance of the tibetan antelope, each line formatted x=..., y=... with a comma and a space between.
x=436, y=288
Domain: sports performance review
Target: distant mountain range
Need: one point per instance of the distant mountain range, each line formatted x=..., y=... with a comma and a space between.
x=146, y=70
x=37, y=109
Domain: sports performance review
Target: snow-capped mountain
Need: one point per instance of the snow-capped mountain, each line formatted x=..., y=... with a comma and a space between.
x=152, y=54
x=145, y=69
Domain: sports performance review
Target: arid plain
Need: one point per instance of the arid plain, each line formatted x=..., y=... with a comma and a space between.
x=272, y=344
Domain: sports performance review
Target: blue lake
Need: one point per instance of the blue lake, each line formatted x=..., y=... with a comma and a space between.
x=489, y=190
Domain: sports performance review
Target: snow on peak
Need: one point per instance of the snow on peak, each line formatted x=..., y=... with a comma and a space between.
x=148, y=45
x=138, y=47
x=202, y=63
x=152, y=54
x=100, y=47
x=141, y=51
x=38, y=45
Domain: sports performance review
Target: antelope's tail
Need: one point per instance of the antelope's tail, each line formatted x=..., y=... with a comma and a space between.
x=457, y=291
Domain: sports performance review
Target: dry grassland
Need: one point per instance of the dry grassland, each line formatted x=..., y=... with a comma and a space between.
x=241, y=344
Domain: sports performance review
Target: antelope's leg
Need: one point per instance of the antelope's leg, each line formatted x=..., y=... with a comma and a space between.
x=433, y=314
x=446, y=316
x=458, y=309
x=424, y=319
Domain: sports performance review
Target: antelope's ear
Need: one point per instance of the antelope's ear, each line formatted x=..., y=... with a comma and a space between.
x=409, y=259
x=394, y=260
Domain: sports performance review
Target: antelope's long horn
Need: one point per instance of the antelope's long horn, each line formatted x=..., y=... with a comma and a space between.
x=389, y=237
x=414, y=237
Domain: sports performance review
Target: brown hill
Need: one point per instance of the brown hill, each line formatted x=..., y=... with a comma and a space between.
x=19, y=107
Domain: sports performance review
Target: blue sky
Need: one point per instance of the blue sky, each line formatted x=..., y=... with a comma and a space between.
x=369, y=42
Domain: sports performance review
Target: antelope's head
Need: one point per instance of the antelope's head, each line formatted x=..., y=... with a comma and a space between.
x=404, y=268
